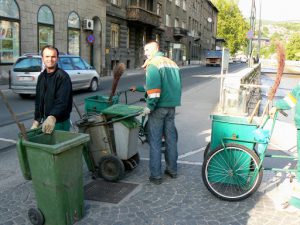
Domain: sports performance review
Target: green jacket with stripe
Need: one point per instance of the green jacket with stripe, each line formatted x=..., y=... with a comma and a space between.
x=163, y=82
x=291, y=101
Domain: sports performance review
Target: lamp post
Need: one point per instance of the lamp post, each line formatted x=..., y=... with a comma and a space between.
x=259, y=31
x=252, y=24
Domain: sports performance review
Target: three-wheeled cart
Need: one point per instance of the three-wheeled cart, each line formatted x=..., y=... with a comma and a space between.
x=113, y=140
x=233, y=161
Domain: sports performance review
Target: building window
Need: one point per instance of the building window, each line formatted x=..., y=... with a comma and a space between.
x=176, y=24
x=168, y=20
x=157, y=38
x=159, y=9
x=45, y=27
x=183, y=25
x=73, y=34
x=9, y=31
x=114, y=35
x=128, y=38
x=116, y=2
x=184, y=4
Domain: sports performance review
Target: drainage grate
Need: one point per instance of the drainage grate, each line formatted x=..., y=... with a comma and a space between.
x=104, y=191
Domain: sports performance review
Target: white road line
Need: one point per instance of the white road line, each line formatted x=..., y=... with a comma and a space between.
x=8, y=140
x=191, y=153
x=179, y=161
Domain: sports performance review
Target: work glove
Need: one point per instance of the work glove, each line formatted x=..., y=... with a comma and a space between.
x=35, y=124
x=146, y=111
x=272, y=112
x=49, y=124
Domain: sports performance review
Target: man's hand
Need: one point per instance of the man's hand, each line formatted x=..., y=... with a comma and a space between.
x=132, y=88
x=49, y=124
x=146, y=111
x=35, y=124
x=272, y=112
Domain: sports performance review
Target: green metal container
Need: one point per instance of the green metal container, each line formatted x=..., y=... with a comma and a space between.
x=97, y=103
x=237, y=129
x=55, y=166
x=231, y=129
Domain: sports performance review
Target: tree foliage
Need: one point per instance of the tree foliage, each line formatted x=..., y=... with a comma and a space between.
x=231, y=26
x=293, y=47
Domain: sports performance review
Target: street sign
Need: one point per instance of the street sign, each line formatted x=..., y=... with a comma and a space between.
x=90, y=39
x=250, y=34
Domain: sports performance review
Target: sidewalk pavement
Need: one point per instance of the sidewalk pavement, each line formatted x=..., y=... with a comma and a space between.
x=181, y=201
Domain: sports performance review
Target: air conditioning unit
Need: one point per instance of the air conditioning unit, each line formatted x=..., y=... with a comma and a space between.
x=88, y=24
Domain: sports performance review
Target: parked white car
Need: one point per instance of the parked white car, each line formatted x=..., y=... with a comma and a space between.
x=27, y=68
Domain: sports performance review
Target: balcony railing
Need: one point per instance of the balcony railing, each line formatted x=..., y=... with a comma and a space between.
x=141, y=15
x=180, y=32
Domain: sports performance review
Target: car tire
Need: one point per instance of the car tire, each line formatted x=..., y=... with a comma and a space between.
x=94, y=85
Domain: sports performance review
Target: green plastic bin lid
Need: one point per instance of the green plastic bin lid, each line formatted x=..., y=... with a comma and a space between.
x=130, y=123
x=123, y=110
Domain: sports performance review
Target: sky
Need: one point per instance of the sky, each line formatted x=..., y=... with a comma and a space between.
x=275, y=10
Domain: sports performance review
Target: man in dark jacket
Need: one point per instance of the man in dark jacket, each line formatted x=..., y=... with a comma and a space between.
x=53, y=101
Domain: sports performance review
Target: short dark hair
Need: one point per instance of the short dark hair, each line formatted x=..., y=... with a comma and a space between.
x=50, y=47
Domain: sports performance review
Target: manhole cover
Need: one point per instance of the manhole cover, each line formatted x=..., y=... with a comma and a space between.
x=104, y=191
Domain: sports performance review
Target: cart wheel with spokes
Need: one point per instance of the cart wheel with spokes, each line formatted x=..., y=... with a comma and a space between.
x=232, y=172
x=206, y=151
x=111, y=168
x=36, y=216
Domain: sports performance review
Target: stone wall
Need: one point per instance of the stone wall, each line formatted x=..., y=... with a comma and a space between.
x=241, y=92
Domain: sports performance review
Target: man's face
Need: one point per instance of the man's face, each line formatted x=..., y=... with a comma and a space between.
x=50, y=58
x=150, y=50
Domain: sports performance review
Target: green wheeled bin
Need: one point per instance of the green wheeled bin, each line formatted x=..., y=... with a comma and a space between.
x=54, y=163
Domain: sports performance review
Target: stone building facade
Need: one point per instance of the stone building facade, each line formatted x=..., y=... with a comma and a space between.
x=107, y=32
x=27, y=25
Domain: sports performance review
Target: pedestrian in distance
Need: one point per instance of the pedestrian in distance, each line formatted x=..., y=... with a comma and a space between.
x=163, y=94
x=53, y=100
x=292, y=100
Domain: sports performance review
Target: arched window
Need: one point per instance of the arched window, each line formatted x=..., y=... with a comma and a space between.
x=73, y=34
x=45, y=27
x=9, y=31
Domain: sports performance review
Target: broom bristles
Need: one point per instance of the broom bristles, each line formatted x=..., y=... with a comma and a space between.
x=119, y=70
x=280, y=68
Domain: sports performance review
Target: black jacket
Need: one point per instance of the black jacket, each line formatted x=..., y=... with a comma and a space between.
x=53, y=96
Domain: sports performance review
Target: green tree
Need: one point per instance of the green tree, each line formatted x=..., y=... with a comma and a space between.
x=231, y=26
x=293, y=47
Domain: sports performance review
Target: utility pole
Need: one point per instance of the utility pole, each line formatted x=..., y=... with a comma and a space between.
x=252, y=28
x=259, y=31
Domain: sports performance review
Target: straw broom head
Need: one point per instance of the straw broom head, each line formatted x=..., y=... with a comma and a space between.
x=280, y=68
x=119, y=70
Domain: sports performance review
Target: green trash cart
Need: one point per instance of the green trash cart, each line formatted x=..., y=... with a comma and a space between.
x=232, y=168
x=54, y=163
x=113, y=146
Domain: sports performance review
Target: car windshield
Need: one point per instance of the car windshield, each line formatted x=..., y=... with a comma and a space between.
x=28, y=65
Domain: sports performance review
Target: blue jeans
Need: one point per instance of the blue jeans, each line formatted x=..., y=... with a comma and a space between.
x=161, y=122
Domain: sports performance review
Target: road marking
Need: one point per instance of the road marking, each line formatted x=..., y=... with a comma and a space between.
x=8, y=140
x=191, y=153
x=179, y=161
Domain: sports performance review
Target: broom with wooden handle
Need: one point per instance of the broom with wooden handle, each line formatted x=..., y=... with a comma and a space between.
x=280, y=68
x=117, y=73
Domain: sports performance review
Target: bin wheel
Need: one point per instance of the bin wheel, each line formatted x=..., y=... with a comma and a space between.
x=232, y=172
x=36, y=216
x=206, y=151
x=111, y=168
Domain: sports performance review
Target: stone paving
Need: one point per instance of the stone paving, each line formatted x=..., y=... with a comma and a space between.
x=181, y=201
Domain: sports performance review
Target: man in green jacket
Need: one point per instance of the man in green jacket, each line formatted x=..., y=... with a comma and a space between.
x=291, y=100
x=163, y=88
